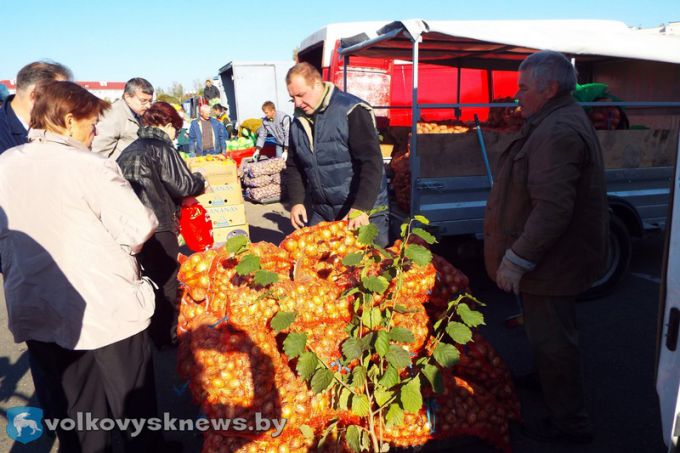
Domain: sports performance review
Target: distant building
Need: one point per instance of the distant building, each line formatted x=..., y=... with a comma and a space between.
x=109, y=91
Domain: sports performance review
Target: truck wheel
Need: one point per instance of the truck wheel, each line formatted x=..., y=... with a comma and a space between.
x=618, y=259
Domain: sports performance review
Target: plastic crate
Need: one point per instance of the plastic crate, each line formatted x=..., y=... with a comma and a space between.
x=239, y=154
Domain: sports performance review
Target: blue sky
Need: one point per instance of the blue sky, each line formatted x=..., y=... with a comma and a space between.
x=184, y=41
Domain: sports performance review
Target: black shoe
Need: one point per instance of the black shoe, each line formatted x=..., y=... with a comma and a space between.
x=546, y=431
x=528, y=381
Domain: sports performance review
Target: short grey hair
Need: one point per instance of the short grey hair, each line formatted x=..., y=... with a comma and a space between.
x=138, y=84
x=549, y=66
x=40, y=72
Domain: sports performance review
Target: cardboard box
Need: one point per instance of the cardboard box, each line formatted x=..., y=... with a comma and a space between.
x=218, y=180
x=226, y=216
x=221, y=235
x=386, y=150
x=222, y=195
x=215, y=171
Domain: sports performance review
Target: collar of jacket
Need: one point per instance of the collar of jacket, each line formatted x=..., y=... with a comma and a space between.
x=132, y=116
x=322, y=106
x=15, y=125
x=45, y=136
x=326, y=98
x=549, y=107
x=153, y=132
x=199, y=121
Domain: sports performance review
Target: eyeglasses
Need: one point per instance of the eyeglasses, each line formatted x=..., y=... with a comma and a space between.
x=145, y=100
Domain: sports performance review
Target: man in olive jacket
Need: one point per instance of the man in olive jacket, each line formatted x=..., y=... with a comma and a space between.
x=545, y=233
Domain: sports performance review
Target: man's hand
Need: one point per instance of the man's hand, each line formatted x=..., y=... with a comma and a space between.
x=509, y=275
x=355, y=221
x=298, y=216
x=256, y=156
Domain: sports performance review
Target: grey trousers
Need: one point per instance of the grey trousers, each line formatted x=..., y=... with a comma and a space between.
x=549, y=322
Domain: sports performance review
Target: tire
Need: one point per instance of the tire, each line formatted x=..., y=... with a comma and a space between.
x=618, y=259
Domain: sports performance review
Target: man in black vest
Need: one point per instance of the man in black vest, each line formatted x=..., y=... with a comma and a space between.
x=334, y=155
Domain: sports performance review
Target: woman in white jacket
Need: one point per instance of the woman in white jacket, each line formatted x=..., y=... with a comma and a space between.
x=70, y=225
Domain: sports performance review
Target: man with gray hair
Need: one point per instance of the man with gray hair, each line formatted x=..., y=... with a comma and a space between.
x=545, y=233
x=15, y=114
x=119, y=125
x=206, y=134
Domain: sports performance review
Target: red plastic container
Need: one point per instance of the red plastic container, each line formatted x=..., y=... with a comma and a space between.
x=239, y=154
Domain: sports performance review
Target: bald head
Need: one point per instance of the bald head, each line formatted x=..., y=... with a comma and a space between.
x=204, y=111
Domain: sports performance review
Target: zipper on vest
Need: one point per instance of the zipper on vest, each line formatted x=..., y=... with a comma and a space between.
x=315, y=154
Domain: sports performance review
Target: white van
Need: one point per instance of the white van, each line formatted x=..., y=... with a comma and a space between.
x=668, y=354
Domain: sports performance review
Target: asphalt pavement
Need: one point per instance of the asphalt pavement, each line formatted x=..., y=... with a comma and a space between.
x=618, y=341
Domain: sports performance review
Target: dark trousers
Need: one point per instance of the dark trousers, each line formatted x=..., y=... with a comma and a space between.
x=115, y=381
x=159, y=262
x=550, y=325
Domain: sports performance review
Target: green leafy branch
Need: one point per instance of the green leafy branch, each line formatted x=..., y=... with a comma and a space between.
x=384, y=381
x=249, y=263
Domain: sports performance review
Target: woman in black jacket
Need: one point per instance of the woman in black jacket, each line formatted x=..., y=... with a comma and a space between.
x=161, y=179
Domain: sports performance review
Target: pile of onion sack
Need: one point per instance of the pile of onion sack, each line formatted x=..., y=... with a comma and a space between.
x=236, y=366
x=262, y=179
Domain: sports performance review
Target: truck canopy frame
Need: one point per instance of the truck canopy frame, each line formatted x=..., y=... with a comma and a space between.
x=501, y=45
x=504, y=44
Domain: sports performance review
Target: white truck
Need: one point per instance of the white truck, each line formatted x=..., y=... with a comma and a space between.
x=248, y=84
x=450, y=174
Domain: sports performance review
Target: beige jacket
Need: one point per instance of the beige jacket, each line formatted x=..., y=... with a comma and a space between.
x=69, y=227
x=116, y=130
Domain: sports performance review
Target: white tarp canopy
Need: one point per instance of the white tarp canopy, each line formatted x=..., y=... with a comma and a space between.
x=502, y=44
x=328, y=35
